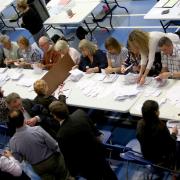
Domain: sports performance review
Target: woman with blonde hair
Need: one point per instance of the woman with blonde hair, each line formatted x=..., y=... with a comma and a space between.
x=41, y=89
x=116, y=55
x=92, y=59
x=147, y=44
x=62, y=47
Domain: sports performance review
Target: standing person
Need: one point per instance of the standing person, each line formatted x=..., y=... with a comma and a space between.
x=31, y=20
x=83, y=153
x=147, y=43
x=38, y=148
x=116, y=55
x=50, y=56
x=157, y=144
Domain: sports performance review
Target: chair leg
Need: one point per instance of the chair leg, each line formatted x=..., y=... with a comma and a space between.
x=121, y=6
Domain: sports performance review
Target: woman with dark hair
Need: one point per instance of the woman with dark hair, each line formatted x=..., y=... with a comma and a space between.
x=157, y=144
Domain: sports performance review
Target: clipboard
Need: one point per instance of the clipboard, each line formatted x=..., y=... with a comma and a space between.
x=58, y=73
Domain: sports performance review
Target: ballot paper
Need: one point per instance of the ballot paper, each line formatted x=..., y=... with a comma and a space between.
x=16, y=75
x=2, y=70
x=110, y=78
x=27, y=82
x=123, y=93
x=76, y=74
x=173, y=94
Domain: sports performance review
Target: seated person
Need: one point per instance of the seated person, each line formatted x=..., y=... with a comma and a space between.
x=3, y=109
x=157, y=144
x=28, y=54
x=116, y=55
x=38, y=148
x=50, y=55
x=11, y=166
x=63, y=48
x=34, y=114
x=10, y=50
x=41, y=89
x=170, y=57
x=92, y=59
x=87, y=158
x=132, y=63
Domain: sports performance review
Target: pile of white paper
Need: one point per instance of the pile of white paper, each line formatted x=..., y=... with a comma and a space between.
x=110, y=78
x=76, y=74
x=16, y=75
x=27, y=82
x=122, y=93
x=2, y=70
x=90, y=88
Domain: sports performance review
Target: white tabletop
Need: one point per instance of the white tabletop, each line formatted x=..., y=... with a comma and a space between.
x=168, y=110
x=25, y=92
x=104, y=102
x=155, y=12
x=81, y=10
x=4, y=4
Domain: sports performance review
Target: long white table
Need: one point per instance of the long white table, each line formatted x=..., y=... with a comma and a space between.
x=25, y=92
x=81, y=9
x=168, y=109
x=104, y=102
x=156, y=13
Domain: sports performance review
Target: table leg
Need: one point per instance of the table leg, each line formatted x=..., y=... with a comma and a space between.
x=4, y=24
x=51, y=26
x=123, y=7
x=89, y=30
x=163, y=26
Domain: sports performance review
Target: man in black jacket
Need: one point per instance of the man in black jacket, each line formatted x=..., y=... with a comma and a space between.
x=34, y=114
x=83, y=153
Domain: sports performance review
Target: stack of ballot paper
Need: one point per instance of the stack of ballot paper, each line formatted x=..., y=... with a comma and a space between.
x=27, y=82
x=76, y=74
x=130, y=78
x=110, y=78
x=123, y=93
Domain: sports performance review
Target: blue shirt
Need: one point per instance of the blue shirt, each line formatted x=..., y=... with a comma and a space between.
x=32, y=144
x=99, y=60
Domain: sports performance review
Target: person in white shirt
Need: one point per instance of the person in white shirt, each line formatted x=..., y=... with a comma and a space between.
x=9, y=164
x=10, y=49
x=63, y=48
x=147, y=44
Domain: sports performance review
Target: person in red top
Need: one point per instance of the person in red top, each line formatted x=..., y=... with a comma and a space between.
x=50, y=55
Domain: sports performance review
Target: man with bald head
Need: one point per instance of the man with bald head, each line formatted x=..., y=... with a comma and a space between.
x=50, y=55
